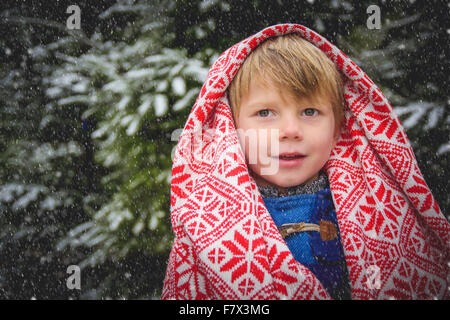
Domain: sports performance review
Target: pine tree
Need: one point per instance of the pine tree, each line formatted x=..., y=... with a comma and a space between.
x=136, y=91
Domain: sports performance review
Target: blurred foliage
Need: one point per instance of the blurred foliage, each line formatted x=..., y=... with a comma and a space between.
x=89, y=119
x=137, y=94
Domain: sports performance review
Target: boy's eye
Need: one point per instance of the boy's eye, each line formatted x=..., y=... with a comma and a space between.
x=310, y=112
x=264, y=113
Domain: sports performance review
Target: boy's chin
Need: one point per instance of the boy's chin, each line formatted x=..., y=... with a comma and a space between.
x=282, y=182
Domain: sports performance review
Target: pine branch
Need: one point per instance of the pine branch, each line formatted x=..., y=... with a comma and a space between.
x=78, y=34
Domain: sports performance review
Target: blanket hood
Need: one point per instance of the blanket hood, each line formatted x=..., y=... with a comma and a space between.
x=395, y=238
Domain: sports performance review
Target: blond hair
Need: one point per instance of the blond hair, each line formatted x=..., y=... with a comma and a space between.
x=291, y=63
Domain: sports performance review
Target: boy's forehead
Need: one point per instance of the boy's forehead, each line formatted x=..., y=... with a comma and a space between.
x=314, y=96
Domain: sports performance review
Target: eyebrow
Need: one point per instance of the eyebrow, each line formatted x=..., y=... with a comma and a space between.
x=259, y=105
x=269, y=104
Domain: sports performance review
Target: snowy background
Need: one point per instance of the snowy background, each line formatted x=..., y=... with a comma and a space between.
x=89, y=119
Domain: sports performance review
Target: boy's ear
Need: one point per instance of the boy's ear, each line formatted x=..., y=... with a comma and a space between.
x=334, y=142
x=337, y=133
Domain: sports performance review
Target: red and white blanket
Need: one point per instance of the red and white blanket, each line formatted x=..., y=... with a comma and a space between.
x=395, y=238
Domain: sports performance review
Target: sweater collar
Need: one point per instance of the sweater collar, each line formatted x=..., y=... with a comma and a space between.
x=312, y=187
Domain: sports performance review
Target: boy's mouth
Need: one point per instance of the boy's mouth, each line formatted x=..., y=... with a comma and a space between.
x=290, y=156
x=290, y=159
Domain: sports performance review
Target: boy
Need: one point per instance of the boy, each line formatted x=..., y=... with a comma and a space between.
x=301, y=101
x=295, y=201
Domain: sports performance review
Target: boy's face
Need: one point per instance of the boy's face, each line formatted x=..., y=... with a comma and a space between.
x=294, y=136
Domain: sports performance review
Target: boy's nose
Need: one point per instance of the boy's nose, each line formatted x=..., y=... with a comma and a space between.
x=291, y=129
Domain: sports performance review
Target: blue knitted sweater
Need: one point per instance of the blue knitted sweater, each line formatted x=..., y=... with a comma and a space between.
x=325, y=258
